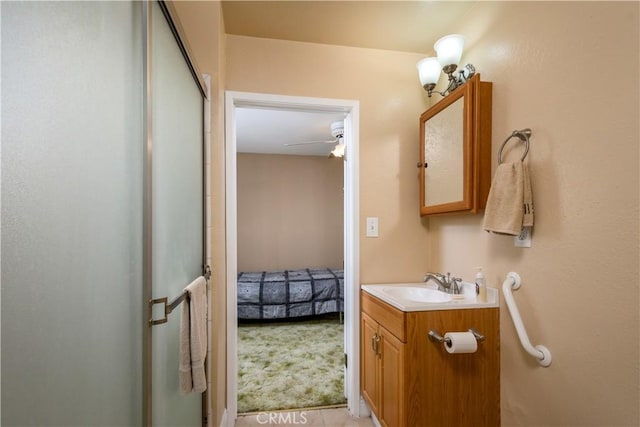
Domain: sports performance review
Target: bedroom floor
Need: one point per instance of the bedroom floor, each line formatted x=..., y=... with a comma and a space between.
x=335, y=417
x=293, y=364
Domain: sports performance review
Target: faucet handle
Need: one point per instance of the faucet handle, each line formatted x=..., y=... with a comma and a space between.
x=453, y=279
x=456, y=283
x=427, y=274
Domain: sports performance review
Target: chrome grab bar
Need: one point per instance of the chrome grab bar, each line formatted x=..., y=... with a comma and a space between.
x=540, y=352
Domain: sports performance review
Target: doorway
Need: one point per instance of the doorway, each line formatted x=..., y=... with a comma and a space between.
x=350, y=109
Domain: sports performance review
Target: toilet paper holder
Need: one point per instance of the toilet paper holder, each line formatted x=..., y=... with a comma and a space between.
x=437, y=338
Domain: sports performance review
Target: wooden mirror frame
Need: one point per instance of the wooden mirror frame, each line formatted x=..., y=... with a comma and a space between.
x=476, y=147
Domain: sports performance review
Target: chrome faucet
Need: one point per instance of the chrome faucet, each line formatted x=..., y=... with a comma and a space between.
x=448, y=284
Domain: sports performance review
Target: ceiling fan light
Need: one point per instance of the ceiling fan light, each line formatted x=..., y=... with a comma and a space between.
x=337, y=129
x=338, y=150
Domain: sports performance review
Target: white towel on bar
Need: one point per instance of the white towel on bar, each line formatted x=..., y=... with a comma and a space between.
x=193, y=338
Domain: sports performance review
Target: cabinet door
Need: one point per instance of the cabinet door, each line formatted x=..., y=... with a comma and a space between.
x=447, y=154
x=455, y=151
x=370, y=363
x=392, y=388
x=454, y=390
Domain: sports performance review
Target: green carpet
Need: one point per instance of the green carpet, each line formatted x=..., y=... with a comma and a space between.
x=290, y=365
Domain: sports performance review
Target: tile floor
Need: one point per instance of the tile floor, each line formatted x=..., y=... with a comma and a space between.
x=334, y=417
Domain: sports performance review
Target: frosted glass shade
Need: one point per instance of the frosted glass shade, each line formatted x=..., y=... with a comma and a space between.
x=428, y=70
x=339, y=149
x=449, y=49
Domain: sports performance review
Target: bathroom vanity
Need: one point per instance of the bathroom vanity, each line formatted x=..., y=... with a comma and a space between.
x=410, y=380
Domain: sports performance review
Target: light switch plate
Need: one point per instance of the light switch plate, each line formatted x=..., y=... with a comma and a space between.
x=372, y=227
x=524, y=239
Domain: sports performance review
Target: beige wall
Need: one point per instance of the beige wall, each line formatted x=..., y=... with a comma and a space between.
x=290, y=211
x=204, y=28
x=552, y=65
x=391, y=101
x=580, y=292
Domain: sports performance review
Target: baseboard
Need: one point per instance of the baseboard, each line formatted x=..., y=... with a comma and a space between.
x=223, y=420
x=365, y=411
x=375, y=420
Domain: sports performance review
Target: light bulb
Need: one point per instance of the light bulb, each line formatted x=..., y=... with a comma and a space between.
x=338, y=150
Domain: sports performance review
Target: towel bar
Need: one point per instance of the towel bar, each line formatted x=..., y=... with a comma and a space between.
x=524, y=135
x=170, y=306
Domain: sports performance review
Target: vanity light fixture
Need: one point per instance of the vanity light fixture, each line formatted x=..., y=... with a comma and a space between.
x=449, y=51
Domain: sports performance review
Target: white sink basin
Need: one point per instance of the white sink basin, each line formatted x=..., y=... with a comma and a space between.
x=419, y=294
x=422, y=297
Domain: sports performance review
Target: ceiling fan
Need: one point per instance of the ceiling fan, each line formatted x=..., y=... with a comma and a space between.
x=337, y=131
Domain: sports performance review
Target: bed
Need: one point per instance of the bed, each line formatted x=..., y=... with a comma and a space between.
x=290, y=293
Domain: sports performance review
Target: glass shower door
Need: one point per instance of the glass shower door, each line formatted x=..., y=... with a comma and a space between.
x=71, y=216
x=73, y=197
x=177, y=211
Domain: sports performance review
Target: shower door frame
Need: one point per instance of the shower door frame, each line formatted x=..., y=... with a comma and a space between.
x=169, y=13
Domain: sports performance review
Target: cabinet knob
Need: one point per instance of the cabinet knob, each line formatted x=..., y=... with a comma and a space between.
x=419, y=165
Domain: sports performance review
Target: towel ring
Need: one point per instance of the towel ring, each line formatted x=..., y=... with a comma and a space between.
x=524, y=135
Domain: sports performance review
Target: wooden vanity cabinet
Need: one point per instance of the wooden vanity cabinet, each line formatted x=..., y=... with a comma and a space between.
x=410, y=381
x=383, y=358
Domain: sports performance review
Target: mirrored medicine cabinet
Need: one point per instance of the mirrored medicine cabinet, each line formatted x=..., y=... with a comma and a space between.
x=455, y=151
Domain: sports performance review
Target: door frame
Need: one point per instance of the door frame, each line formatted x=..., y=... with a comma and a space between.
x=351, y=108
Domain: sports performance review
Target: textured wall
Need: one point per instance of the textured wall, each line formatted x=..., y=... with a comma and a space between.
x=554, y=68
x=391, y=101
x=551, y=64
x=290, y=211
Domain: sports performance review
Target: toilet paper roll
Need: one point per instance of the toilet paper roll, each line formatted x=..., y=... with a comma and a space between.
x=460, y=342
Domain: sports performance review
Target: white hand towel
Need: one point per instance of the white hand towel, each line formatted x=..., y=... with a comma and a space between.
x=193, y=338
x=510, y=202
